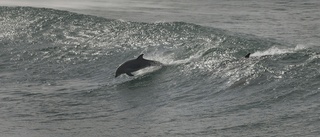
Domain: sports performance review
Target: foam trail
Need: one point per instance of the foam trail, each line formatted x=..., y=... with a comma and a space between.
x=183, y=61
x=146, y=70
x=277, y=51
x=170, y=60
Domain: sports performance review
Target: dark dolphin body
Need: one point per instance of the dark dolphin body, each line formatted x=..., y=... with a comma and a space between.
x=248, y=55
x=135, y=64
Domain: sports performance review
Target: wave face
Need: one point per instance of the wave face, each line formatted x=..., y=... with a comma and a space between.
x=58, y=67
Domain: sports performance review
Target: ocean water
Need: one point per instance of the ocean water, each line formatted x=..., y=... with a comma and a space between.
x=58, y=62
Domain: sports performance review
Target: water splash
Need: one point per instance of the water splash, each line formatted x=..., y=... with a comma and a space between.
x=277, y=51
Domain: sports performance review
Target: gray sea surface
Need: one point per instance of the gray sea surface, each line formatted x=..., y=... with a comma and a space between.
x=58, y=61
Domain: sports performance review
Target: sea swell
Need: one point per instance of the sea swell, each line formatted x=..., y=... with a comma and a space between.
x=205, y=78
x=50, y=36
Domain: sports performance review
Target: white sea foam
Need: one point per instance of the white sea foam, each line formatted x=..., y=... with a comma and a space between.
x=277, y=51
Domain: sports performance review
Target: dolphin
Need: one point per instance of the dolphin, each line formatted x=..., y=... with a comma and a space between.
x=135, y=65
x=248, y=55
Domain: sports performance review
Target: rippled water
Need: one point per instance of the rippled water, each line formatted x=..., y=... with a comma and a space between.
x=58, y=67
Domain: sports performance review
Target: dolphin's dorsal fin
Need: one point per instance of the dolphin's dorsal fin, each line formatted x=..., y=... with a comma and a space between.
x=248, y=55
x=140, y=57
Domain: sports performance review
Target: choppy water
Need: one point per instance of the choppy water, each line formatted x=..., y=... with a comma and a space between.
x=57, y=79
